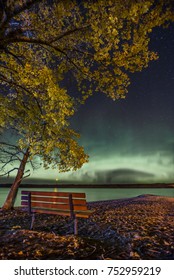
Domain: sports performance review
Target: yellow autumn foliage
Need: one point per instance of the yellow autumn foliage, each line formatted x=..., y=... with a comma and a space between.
x=43, y=46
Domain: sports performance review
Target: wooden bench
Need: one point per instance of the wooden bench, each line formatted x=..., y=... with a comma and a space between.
x=68, y=204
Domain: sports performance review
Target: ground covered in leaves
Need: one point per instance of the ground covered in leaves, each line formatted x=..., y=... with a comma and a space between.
x=136, y=228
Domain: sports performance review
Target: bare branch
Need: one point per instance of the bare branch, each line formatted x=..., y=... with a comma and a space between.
x=7, y=162
x=23, y=177
x=31, y=163
x=7, y=154
x=10, y=145
x=8, y=172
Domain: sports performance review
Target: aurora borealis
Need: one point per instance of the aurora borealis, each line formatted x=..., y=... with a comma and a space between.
x=129, y=140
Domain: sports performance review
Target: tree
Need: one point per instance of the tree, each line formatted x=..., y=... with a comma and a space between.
x=44, y=44
x=38, y=115
x=97, y=55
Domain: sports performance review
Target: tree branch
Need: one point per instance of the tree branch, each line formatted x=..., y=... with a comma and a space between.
x=17, y=11
x=69, y=32
x=7, y=162
x=23, y=88
x=43, y=44
x=12, y=54
x=10, y=145
x=5, y=67
x=8, y=172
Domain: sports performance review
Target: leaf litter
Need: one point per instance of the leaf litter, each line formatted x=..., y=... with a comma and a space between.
x=136, y=228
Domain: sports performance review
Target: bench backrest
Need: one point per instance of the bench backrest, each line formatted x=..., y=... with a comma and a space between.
x=62, y=203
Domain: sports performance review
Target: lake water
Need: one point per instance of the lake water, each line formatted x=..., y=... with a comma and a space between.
x=96, y=194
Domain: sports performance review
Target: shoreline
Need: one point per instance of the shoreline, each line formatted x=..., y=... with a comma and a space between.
x=95, y=186
x=137, y=228
x=143, y=197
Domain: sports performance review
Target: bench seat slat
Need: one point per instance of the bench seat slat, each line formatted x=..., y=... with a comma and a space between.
x=54, y=199
x=83, y=214
x=49, y=206
x=56, y=194
x=56, y=206
x=24, y=197
x=46, y=211
x=24, y=203
x=58, y=199
x=80, y=207
x=62, y=213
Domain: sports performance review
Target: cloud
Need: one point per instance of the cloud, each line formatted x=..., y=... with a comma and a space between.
x=122, y=175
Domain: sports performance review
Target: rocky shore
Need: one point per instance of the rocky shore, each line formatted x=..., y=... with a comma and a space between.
x=125, y=229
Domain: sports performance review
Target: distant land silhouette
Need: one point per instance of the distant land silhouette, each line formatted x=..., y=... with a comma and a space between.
x=114, y=186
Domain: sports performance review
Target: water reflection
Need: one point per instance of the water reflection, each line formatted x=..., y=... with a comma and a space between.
x=94, y=194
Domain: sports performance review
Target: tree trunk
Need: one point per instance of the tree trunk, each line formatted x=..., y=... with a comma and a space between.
x=10, y=200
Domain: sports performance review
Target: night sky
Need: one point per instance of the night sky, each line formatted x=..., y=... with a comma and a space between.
x=129, y=140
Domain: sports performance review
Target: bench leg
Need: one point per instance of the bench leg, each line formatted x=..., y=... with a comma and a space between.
x=75, y=226
x=32, y=221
